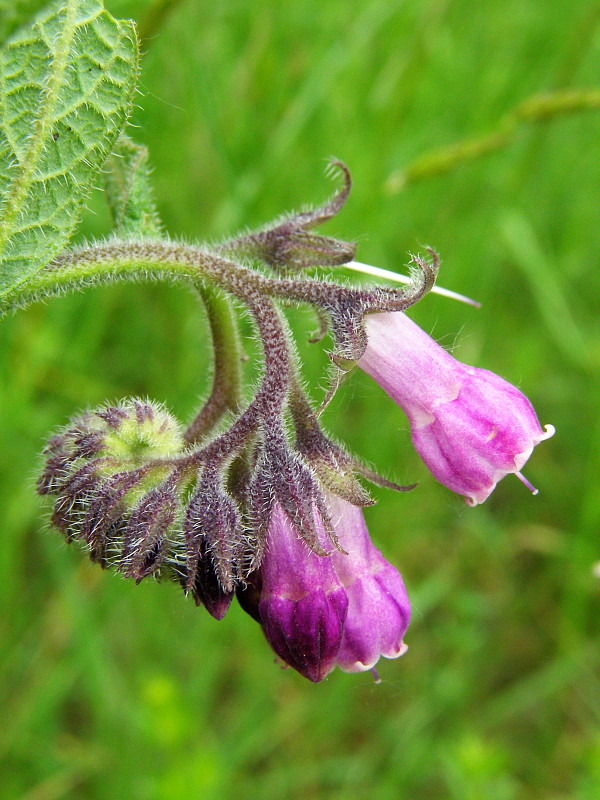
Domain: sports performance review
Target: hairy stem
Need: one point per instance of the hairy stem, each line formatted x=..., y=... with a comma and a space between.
x=226, y=388
x=267, y=405
x=158, y=259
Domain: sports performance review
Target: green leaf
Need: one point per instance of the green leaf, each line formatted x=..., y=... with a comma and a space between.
x=66, y=84
x=129, y=191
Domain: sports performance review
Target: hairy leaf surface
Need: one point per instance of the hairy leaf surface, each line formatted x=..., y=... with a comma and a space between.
x=66, y=83
x=129, y=190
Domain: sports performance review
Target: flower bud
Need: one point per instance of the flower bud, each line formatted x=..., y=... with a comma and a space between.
x=470, y=427
x=215, y=544
x=289, y=246
x=282, y=476
x=138, y=431
x=113, y=438
x=146, y=544
x=115, y=488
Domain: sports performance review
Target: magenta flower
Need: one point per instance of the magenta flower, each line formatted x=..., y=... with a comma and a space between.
x=319, y=612
x=470, y=427
x=378, y=605
x=302, y=605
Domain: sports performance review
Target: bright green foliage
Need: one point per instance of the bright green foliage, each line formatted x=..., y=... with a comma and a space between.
x=14, y=13
x=66, y=84
x=128, y=190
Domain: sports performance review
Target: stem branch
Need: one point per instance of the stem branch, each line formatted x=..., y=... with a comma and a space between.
x=160, y=259
x=226, y=388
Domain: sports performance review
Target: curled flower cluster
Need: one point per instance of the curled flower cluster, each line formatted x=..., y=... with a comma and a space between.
x=115, y=489
x=257, y=502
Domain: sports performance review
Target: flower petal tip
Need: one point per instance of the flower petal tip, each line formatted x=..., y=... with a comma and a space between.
x=549, y=431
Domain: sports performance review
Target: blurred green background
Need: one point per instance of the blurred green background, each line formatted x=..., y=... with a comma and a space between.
x=110, y=690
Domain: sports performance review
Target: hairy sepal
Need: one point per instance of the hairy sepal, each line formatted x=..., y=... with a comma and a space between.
x=213, y=530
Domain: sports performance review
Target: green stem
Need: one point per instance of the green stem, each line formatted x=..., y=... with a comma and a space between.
x=226, y=389
x=161, y=259
x=535, y=109
x=267, y=405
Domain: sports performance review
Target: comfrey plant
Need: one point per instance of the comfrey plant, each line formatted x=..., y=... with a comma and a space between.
x=252, y=499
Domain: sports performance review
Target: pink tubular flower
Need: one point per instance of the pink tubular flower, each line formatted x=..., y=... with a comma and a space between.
x=378, y=605
x=470, y=427
x=319, y=612
x=302, y=605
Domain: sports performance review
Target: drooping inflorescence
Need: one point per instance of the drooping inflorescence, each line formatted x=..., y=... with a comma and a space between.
x=117, y=489
x=258, y=501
